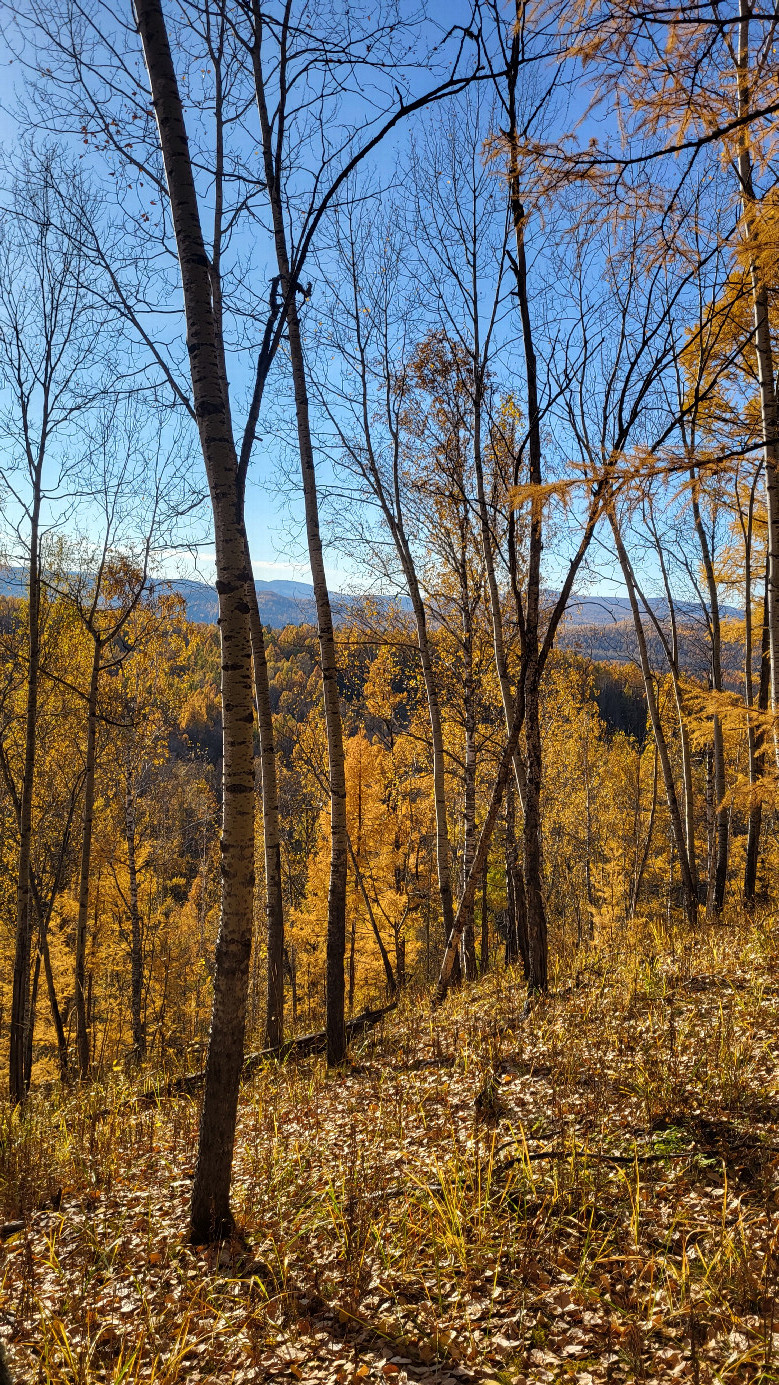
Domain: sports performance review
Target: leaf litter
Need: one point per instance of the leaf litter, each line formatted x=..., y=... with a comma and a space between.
x=584, y=1192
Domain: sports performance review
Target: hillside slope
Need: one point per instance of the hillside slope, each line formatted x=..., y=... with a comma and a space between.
x=584, y=1192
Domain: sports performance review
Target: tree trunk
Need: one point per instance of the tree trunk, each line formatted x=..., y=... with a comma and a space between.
x=36, y=976
x=482, y=849
x=210, y=1211
x=688, y=886
x=529, y=626
x=469, y=815
x=716, y=892
x=136, y=936
x=484, y=950
x=537, y=944
x=20, y=1000
x=274, y=899
x=56, y=1014
x=336, y=900
x=392, y=984
x=90, y=761
x=641, y=866
x=757, y=760
x=769, y=413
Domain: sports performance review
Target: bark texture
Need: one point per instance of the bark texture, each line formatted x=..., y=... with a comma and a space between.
x=210, y=1211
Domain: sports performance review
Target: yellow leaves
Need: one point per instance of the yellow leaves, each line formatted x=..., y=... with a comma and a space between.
x=539, y=495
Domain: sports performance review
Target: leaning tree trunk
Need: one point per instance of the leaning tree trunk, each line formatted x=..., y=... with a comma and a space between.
x=90, y=762
x=210, y=1212
x=20, y=999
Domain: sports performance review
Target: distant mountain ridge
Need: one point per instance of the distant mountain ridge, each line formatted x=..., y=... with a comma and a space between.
x=283, y=601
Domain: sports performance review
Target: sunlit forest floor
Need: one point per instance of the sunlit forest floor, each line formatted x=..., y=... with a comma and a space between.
x=586, y=1192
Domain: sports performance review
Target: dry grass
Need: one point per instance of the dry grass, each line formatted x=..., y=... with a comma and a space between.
x=586, y=1193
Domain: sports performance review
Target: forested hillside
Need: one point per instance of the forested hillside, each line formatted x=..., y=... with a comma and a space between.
x=388, y=982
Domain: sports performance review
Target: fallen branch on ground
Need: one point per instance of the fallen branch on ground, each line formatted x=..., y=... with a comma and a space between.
x=301, y=1047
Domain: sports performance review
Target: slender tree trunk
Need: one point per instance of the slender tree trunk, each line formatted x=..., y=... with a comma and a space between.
x=90, y=764
x=711, y=829
x=443, y=851
x=484, y=950
x=469, y=815
x=136, y=934
x=757, y=759
x=716, y=893
x=689, y=793
x=529, y=627
x=336, y=902
x=482, y=849
x=688, y=886
x=336, y=899
x=536, y=915
x=20, y=1000
x=648, y=841
x=392, y=984
x=274, y=899
x=36, y=975
x=769, y=412
x=56, y=1013
x=210, y=1212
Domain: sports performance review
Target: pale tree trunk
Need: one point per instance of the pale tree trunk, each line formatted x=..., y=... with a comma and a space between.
x=769, y=413
x=136, y=934
x=90, y=763
x=210, y=1212
x=274, y=902
x=20, y=1001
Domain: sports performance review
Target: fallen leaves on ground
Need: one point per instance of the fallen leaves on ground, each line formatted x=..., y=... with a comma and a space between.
x=612, y=1217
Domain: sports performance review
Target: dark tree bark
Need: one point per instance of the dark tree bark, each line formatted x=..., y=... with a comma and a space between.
x=336, y=902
